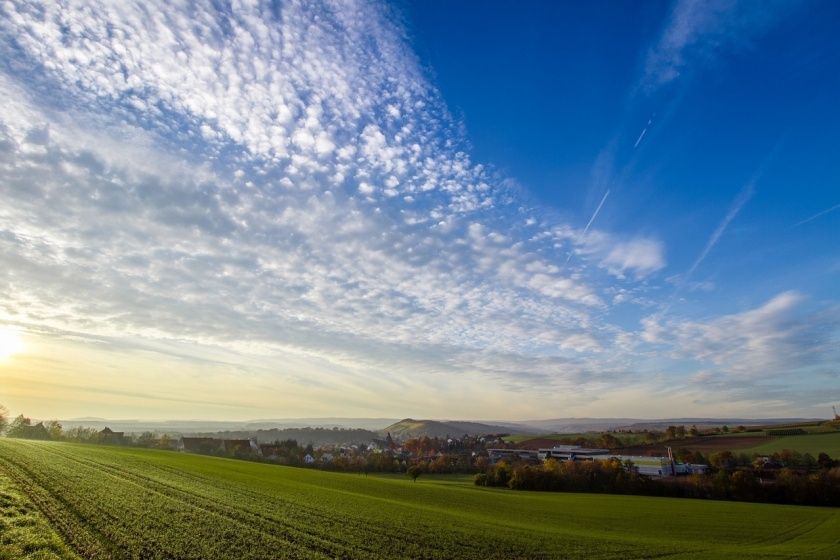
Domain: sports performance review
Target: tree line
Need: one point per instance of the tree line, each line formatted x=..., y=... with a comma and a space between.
x=817, y=486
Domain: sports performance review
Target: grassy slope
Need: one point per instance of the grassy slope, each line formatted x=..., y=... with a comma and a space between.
x=220, y=508
x=24, y=533
x=811, y=443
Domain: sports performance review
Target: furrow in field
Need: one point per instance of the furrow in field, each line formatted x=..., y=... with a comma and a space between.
x=114, y=516
x=398, y=543
x=306, y=518
x=63, y=517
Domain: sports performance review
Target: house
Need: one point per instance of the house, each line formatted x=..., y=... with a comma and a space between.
x=327, y=458
x=216, y=446
x=308, y=459
x=241, y=447
x=205, y=445
x=109, y=436
x=271, y=451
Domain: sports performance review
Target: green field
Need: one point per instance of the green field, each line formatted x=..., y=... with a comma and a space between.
x=128, y=503
x=814, y=444
x=24, y=532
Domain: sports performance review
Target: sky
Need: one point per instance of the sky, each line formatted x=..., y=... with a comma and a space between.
x=243, y=210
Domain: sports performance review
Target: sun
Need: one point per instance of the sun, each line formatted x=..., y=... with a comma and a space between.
x=10, y=343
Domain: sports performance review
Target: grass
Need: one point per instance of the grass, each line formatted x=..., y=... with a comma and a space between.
x=24, y=533
x=814, y=444
x=129, y=503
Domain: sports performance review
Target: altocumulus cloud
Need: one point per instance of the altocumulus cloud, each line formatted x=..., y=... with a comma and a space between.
x=282, y=178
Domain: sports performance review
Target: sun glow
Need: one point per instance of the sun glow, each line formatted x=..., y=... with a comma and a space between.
x=10, y=343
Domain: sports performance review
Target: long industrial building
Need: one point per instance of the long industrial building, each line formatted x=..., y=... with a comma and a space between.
x=642, y=464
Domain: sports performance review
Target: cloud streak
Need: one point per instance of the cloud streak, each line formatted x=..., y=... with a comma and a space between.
x=815, y=216
x=743, y=197
x=697, y=31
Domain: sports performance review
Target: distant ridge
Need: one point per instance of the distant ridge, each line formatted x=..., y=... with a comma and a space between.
x=443, y=428
x=433, y=428
x=574, y=425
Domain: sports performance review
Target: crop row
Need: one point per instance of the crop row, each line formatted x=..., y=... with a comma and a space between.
x=119, y=506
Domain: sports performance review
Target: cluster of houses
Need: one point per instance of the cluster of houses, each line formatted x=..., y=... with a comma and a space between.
x=417, y=450
x=215, y=446
x=645, y=465
x=269, y=451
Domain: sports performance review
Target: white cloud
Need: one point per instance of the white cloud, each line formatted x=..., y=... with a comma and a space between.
x=774, y=339
x=295, y=182
x=642, y=256
x=697, y=32
x=283, y=239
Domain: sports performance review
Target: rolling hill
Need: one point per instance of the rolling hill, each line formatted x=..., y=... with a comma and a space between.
x=442, y=428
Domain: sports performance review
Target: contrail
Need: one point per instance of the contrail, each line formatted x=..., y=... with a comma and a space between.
x=639, y=140
x=744, y=196
x=815, y=216
x=592, y=219
x=595, y=214
x=642, y=135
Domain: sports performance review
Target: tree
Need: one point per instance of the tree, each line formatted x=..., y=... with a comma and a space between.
x=4, y=418
x=723, y=460
x=54, y=430
x=81, y=434
x=693, y=431
x=414, y=471
x=609, y=441
x=20, y=427
x=147, y=439
x=825, y=461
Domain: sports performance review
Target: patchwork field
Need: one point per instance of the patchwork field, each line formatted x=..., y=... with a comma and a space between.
x=126, y=503
x=814, y=444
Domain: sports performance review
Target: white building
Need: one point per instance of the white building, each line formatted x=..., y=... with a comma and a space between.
x=571, y=453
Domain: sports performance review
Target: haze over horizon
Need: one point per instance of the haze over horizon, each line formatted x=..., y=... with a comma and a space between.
x=426, y=210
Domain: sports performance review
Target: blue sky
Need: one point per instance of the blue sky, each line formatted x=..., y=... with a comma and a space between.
x=288, y=209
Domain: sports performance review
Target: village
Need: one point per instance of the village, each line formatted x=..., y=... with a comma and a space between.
x=465, y=454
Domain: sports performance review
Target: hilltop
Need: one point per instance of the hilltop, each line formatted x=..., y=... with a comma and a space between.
x=443, y=428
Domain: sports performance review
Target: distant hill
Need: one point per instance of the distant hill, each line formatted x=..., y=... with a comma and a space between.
x=304, y=436
x=207, y=426
x=409, y=426
x=578, y=425
x=442, y=428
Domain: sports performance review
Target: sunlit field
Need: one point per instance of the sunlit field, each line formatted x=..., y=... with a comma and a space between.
x=115, y=503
